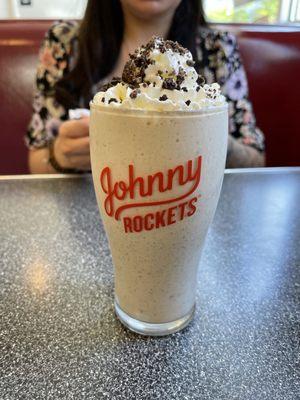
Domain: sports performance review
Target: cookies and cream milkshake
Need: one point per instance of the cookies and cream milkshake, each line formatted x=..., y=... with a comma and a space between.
x=158, y=149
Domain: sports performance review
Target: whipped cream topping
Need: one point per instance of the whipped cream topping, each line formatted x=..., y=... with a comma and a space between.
x=160, y=76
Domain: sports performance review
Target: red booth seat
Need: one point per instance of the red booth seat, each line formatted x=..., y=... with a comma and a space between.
x=19, y=45
x=271, y=56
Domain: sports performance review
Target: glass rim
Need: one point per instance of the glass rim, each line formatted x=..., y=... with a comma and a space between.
x=162, y=114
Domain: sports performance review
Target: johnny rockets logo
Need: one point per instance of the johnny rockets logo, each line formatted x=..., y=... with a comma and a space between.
x=139, y=192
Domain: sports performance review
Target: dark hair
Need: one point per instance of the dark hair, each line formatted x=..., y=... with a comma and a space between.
x=100, y=39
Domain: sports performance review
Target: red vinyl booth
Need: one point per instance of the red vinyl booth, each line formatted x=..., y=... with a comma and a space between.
x=271, y=56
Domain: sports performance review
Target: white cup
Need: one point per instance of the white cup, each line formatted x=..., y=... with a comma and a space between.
x=157, y=178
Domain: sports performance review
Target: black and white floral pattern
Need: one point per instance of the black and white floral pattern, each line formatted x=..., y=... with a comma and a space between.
x=219, y=60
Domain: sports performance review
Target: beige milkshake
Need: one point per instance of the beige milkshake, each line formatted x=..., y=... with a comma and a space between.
x=158, y=153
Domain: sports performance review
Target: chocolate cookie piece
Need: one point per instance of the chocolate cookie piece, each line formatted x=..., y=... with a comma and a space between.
x=115, y=80
x=164, y=97
x=134, y=70
x=180, y=77
x=175, y=46
x=200, y=80
x=211, y=94
x=134, y=93
x=169, y=84
x=132, y=74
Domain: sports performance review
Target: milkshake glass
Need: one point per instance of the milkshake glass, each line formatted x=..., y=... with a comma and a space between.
x=157, y=178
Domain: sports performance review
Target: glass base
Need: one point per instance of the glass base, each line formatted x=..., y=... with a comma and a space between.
x=148, y=329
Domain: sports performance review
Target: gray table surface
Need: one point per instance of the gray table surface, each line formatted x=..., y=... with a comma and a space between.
x=59, y=337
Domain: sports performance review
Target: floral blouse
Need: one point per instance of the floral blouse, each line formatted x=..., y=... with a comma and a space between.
x=218, y=55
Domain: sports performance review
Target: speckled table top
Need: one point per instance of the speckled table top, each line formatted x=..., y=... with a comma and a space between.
x=59, y=338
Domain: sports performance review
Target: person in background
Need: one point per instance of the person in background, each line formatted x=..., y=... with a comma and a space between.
x=77, y=58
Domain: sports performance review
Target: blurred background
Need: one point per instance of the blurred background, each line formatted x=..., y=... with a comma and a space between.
x=240, y=11
x=255, y=12
x=268, y=35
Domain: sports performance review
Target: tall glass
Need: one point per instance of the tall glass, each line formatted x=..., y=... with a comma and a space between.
x=157, y=178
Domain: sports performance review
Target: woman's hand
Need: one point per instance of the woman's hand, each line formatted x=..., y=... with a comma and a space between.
x=240, y=155
x=72, y=145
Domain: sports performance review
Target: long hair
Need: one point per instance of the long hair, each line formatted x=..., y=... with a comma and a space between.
x=100, y=39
